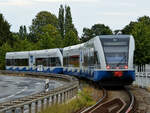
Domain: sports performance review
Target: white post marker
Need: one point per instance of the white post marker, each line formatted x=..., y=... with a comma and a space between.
x=46, y=85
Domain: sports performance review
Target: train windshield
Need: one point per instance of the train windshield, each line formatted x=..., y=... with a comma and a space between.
x=116, y=52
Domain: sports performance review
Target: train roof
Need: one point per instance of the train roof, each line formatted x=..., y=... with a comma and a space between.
x=37, y=53
x=78, y=46
x=72, y=50
x=115, y=36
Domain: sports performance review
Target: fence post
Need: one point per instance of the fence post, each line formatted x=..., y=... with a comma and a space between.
x=14, y=110
x=42, y=104
x=61, y=98
x=30, y=108
x=52, y=99
x=22, y=109
x=64, y=97
x=47, y=102
x=36, y=107
x=57, y=95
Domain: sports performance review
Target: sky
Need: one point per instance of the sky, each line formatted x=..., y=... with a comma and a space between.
x=85, y=13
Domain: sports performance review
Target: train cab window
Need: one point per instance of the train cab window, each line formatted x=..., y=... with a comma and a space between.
x=116, y=51
x=90, y=58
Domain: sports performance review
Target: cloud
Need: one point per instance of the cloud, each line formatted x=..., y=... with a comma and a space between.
x=126, y=4
x=30, y=2
x=117, y=13
x=16, y=2
x=66, y=0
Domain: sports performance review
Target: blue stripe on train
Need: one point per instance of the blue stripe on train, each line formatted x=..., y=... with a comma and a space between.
x=54, y=70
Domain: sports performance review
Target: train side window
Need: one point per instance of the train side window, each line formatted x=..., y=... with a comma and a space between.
x=96, y=61
x=58, y=62
x=65, y=61
x=74, y=61
x=55, y=61
x=17, y=62
x=8, y=62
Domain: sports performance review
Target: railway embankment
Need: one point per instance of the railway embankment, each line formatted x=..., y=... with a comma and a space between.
x=142, y=96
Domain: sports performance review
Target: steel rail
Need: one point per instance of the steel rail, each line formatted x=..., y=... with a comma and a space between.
x=131, y=105
x=97, y=103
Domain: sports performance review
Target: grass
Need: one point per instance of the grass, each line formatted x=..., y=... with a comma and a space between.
x=84, y=99
x=148, y=89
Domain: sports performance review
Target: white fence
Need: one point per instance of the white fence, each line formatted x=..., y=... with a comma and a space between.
x=142, y=76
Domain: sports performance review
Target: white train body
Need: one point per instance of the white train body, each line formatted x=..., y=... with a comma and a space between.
x=107, y=59
x=49, y=60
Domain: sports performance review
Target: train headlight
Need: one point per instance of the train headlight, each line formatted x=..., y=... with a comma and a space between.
x=117, y=67
x=126, y=67
x=108, y=67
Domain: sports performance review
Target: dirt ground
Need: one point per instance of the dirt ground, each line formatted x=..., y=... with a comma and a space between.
x=142, y=98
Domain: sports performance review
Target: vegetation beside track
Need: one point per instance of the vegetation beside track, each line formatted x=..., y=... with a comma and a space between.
x=84, y=99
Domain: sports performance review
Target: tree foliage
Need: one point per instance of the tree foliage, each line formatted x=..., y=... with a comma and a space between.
x=23, y=32
x=66, y=26
x=141, y=32
x=5, y=34
x=70, y=39
x=68, y=21
x=61, y=21
x=42, y=18
x=49, y=37
x=3, y=49
x=96, y=30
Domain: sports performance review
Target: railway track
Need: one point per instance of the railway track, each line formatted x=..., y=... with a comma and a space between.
x=113, y=104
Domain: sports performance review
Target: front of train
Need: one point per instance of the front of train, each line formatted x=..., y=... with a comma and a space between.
x=117, y=61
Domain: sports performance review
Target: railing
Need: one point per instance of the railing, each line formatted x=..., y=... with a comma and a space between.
x=41, y=100
x=142, y=79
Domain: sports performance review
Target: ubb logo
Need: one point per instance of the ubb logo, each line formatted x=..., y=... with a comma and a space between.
x=115, y=39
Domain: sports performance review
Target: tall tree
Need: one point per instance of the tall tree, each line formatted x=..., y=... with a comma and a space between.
x=96, y=30
x=101, y=29
x=42, y=18
x=141, y=33
x=61, y=21
x=23, y=32
x=5, y=34
x=3, y=49
x=70, y=39
x=68, y=21
x=49, y=37
x=87, y=34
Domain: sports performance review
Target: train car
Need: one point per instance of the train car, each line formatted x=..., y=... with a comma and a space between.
x=105, y=59
x=49, y=61
x=71, y=60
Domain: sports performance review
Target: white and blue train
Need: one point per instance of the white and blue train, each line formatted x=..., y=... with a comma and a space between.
x=105, y=59
x=49, y=61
